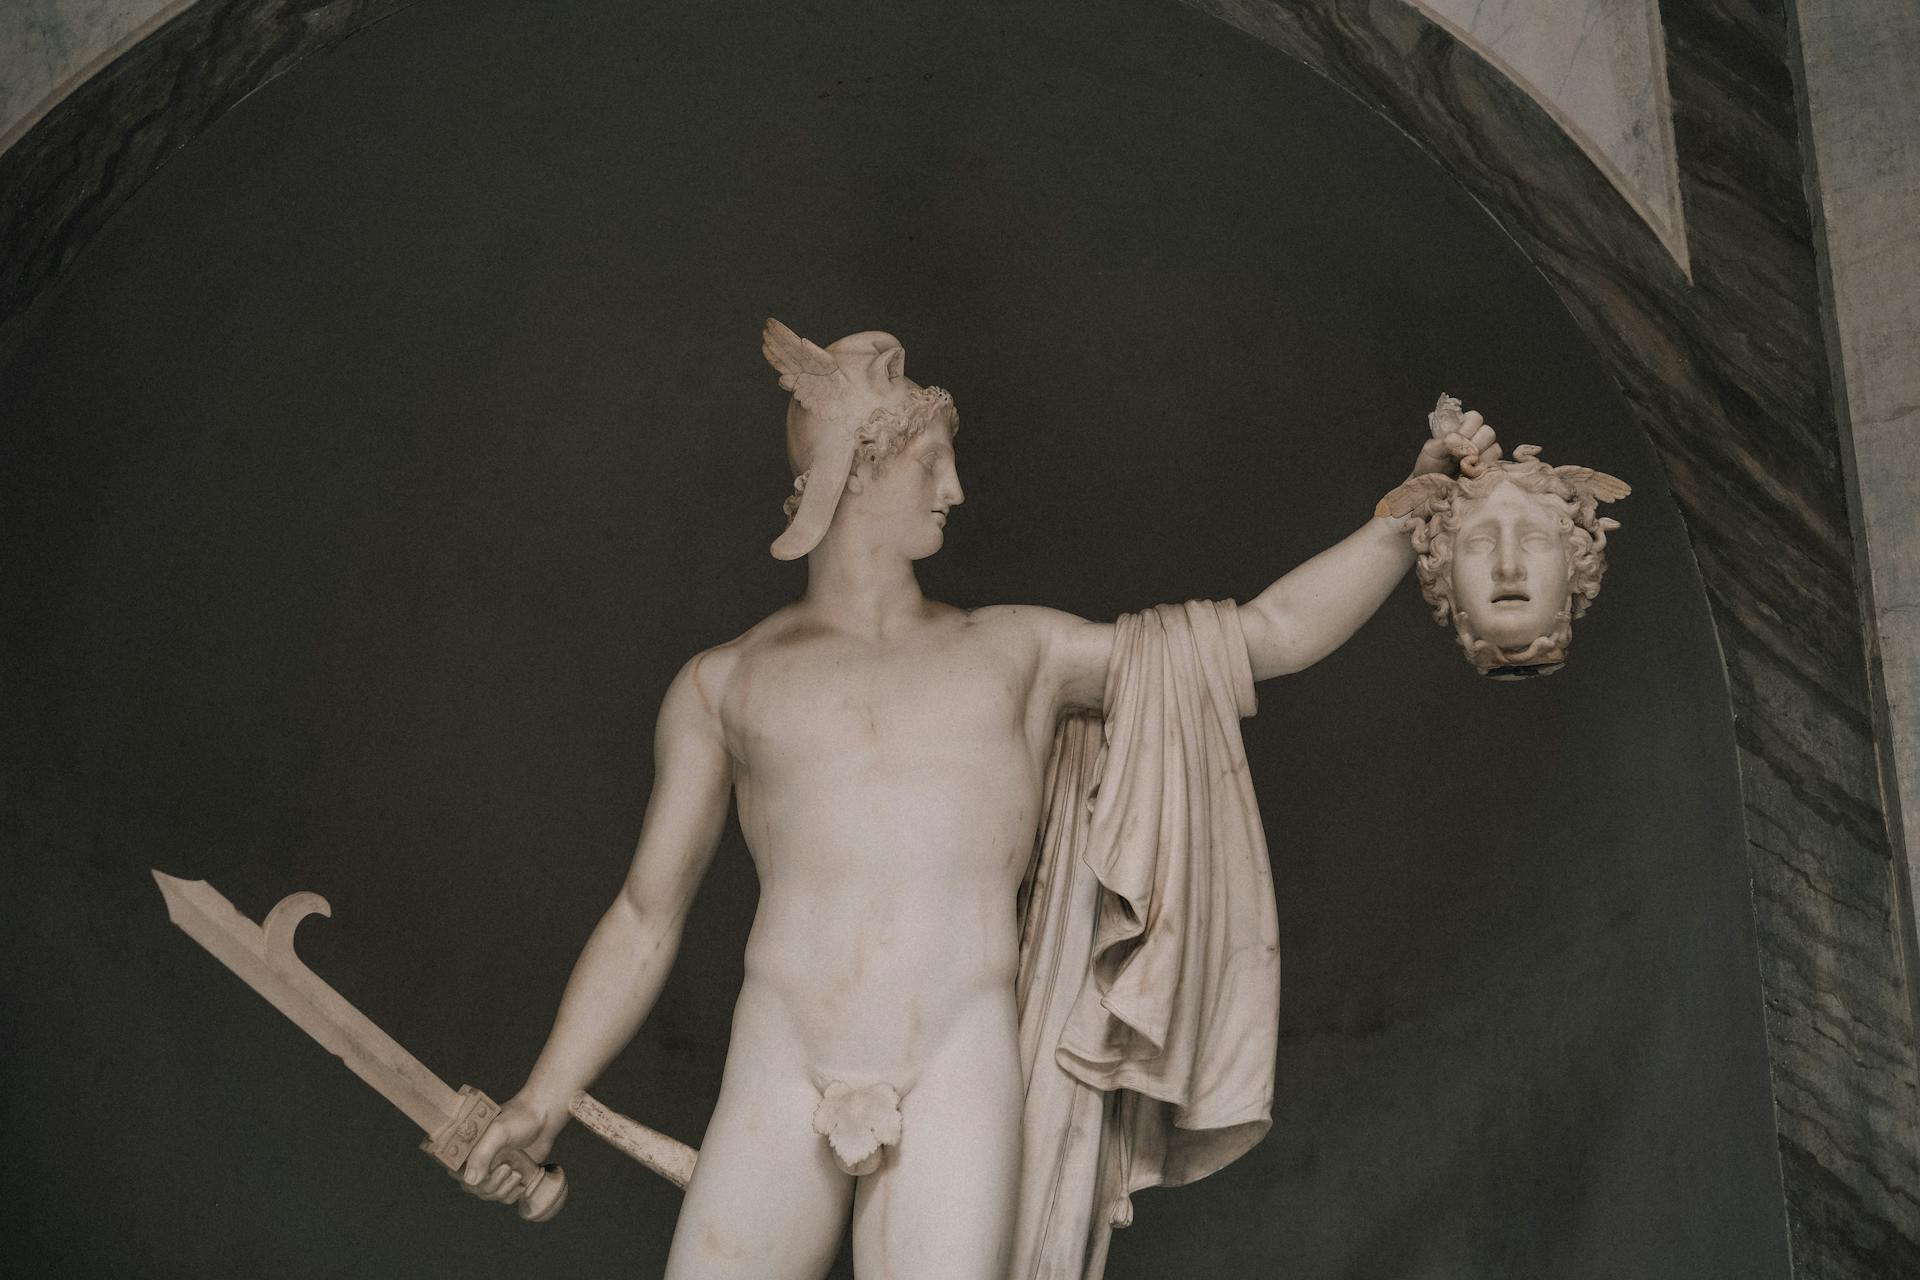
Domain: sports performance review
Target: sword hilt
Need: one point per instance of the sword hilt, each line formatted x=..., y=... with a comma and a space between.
x=543, y=1187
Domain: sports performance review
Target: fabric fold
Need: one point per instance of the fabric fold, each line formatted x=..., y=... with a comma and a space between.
x=1149, y=974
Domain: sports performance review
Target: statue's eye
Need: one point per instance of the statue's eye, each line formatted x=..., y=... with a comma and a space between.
x=1537, y=542
x=1479, y=542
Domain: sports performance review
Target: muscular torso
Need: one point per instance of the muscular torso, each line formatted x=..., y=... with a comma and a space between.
x=889, y=792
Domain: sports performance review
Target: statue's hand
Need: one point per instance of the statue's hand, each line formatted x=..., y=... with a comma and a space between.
x=519, y=1126
x=1460, y=442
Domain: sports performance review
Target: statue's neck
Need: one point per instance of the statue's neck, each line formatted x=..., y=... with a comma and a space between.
x=868, y=591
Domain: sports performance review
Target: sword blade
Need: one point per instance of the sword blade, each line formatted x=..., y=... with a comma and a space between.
x=262, y=956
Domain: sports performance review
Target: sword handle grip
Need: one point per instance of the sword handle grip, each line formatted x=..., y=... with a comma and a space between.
x=543, y=1187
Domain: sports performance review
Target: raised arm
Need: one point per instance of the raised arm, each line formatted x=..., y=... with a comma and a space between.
x=1314, y=609
x=625, y=962
x=1295, y=622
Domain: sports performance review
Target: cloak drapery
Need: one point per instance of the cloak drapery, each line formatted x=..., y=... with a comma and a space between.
x=1149, y=979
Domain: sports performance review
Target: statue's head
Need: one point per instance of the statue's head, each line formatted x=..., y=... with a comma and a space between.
x=1511, y=557
x=853, y=410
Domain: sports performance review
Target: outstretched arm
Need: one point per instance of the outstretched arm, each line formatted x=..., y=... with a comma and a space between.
x=1294, y=623
x=625, y=962
x=1315, y=608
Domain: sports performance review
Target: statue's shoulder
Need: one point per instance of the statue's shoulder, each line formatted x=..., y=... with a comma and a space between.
x=1068, y=653
x=711, y=672
x=1036, y=621
x=1042, y=626
x=778, y=630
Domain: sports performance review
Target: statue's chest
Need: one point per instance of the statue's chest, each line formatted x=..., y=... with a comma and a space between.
x=822, y=706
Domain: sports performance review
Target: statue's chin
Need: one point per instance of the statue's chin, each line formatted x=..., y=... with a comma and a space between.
x=1511, y=651
x=1510, y=637
x=1509, y=627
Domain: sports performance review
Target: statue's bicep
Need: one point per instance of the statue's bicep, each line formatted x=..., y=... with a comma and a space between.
x=1077, y=654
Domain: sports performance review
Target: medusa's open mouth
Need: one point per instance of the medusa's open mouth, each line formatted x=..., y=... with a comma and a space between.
x=1512, y=597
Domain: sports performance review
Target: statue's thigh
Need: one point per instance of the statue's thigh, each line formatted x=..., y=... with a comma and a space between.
x=942, y=1206
x=766, y=1201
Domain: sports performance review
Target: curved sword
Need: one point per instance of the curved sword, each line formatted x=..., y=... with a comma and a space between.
x=262, y=956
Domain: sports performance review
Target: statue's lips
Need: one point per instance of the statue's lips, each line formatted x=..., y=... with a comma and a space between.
x=1512, y=597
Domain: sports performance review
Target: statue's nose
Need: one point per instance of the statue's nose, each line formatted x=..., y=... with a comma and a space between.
x=1507, y=565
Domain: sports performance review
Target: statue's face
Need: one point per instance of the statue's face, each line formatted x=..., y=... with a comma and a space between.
x=1509, y=566
x=907, y=507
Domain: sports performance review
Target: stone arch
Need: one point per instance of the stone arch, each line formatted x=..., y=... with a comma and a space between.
x=1726, y=374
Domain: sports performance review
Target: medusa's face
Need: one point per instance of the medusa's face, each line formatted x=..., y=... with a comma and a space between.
x=1510, y=567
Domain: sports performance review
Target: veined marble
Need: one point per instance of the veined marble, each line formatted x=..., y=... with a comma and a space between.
x=1861, y=80
x=1599, y=68
x=49, y=46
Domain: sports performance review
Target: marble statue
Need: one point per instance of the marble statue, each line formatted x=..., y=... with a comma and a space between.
x=1510, y=552
x=1015, y=954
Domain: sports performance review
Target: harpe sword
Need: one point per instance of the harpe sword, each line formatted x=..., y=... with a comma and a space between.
x=262, y=955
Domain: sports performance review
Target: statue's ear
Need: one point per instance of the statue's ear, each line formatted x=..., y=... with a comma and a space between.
x=854, y=482
x=895, y=363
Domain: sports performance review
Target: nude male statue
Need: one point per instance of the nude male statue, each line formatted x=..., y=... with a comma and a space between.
x=886, y=754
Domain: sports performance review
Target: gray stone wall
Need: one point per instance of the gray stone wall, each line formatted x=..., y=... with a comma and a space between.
x=1599, y=68
x=50, y=47
x=1861, y=92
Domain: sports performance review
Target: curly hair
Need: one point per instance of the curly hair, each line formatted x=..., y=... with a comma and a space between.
x=886, y=432
x=1582, y=529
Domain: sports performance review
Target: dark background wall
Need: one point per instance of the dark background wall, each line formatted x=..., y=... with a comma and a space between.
x=371, y=473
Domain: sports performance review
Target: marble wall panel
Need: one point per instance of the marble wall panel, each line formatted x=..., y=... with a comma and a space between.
x=1861, y=89
x=68, y=174
x=47, y=47
x=1599, y=68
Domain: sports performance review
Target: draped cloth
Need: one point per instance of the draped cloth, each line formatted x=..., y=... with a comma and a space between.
x=1149, y=980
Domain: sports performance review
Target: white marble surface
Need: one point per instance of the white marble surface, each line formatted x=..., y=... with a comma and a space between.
x=1599, y=67
x=1862, y=65
x=49, y=46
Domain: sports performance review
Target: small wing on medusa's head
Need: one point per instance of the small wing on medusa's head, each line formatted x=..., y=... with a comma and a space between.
x=1585, y=480
x=1416, y=497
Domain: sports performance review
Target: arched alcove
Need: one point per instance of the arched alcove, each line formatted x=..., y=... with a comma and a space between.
x=331, y=493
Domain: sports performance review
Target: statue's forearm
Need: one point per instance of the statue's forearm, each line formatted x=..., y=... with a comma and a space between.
x=1312, y=611
x=613, y=987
